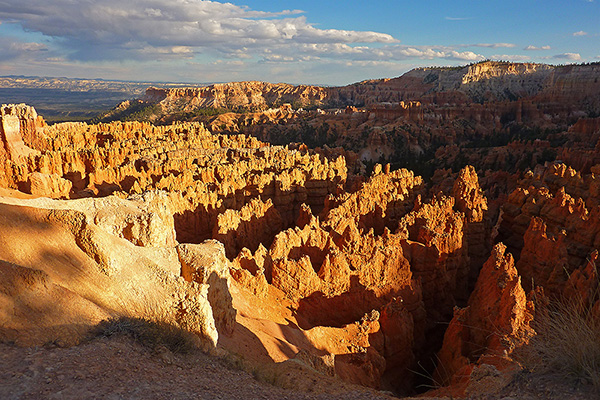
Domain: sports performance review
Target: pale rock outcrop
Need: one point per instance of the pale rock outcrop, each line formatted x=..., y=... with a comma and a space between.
x=50, y=185
x=17, y=121
x=56, y=253
x=206, y=264
x=142, y=220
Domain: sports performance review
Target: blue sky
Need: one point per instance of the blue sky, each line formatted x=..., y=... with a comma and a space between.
x=316, y=42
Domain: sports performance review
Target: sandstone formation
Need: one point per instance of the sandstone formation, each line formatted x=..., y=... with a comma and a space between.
x=380, y=248
x=378, y=265
x=496, y=321
x=476, y=83
x=551, y=232
x=65, y=268
x=492, y=115
x=554, y=239
x=276, y=233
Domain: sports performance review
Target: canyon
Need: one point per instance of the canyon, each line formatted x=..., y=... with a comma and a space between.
x=395, y=234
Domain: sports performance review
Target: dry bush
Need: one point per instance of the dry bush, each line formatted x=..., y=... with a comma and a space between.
x=151, y=334
x=567, y=342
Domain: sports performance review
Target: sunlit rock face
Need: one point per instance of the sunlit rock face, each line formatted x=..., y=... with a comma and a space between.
x=311, y=252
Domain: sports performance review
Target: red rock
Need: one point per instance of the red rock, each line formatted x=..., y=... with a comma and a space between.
x=496, y=322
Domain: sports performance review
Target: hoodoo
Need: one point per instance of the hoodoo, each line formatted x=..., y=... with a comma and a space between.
x=412, y=234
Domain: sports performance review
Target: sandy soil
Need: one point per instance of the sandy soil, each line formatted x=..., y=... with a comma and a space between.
x=118, y=368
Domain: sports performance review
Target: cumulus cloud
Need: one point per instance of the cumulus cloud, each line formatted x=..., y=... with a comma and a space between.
x=113, y=29
x=568, y=56
x=387, y=53
x=463, y=56
x=535, y=48
x=182, y=30
x=580, y=33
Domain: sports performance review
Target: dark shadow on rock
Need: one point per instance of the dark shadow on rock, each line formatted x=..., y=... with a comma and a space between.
x=245, y=344
x=337, y=311
x=221, y=302
x=195, y=226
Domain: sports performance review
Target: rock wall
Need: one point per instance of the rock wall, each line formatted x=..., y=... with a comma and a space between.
x=205, y=174
x=65, y=266
x=550, y=232
x=480, y=82
x=555, y=239
x=236, y=95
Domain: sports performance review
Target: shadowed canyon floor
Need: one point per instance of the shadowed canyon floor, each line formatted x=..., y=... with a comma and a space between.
x=293, y=260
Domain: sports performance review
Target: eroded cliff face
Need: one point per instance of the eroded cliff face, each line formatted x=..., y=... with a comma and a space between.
x=480, y=82
x=68, y=265
x=376, y=264
x=492, y=115
x=553, y=237
x=283, y=253
x=233, y=96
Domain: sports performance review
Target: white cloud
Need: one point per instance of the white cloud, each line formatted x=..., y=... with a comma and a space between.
x=535, y=48
x=510, y=57
x=457, y=18
x=492, y=45
x=193, y=38
x=14, y=49
x=568, y=56
x=388, y=53
x=113, y=29
x=580, y=33
x=464, y=56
